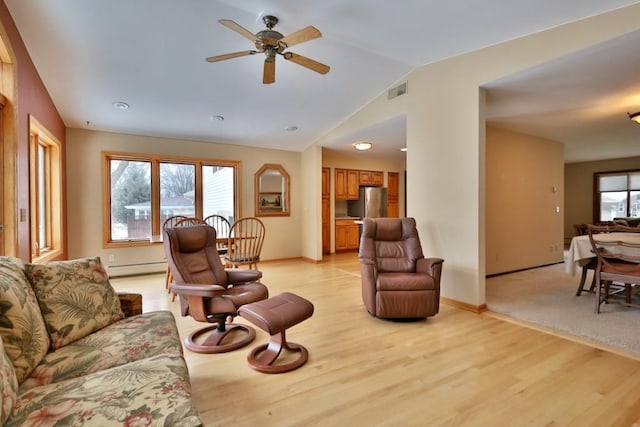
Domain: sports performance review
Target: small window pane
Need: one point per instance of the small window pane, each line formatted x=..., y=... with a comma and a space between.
x=177, y=190
x=130, y=200
x=634, y=208
x=634, y=181
x=43, y=244
x=613, y=205
x=218, y=191
x=613, y=182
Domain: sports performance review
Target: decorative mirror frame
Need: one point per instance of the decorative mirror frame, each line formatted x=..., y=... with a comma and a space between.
x=271, y=200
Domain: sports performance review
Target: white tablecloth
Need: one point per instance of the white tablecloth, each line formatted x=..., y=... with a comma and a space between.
x=580, y=248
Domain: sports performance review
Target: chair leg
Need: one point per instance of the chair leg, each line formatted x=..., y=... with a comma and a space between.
x=598, y=286
x=583, y=278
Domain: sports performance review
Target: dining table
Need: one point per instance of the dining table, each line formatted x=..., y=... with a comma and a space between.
x=580, y=251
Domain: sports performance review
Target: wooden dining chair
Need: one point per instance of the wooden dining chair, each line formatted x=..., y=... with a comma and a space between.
x=222, y=226
x=170, y=222
x=583, y=230
x=618, y=264
x=245, y=242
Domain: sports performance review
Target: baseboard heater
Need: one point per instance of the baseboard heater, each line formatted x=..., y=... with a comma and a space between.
x=135, y=269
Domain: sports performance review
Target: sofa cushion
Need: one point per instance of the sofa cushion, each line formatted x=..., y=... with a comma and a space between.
x=154, y=391
x=130, y=339
x=22, y=327
x=8, y=385
x=75, y=297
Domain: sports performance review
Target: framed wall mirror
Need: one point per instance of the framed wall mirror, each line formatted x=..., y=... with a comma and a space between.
x=271, y=184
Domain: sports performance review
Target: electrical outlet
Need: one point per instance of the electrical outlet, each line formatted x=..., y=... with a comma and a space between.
x=112, y=257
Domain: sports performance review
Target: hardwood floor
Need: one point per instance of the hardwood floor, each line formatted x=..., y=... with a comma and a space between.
x=457, y=368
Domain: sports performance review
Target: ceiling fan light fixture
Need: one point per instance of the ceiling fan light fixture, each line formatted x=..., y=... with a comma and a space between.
x=635, y=117
x=362, y=145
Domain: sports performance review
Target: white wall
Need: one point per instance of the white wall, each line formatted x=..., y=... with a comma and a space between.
x=84, y=192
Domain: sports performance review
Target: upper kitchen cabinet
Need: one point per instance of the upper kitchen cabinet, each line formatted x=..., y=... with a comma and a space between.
x=347, y=183
x=372, y=178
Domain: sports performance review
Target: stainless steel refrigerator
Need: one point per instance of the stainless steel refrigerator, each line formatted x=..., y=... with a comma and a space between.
x=372, y=203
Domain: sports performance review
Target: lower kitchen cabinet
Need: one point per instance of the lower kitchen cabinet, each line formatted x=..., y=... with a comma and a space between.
x=347, y=235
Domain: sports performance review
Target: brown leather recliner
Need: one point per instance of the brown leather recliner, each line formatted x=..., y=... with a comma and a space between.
x=209, y=292
x=398, y=282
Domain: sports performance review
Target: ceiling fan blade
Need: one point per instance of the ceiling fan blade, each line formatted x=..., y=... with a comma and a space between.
x=230, y=55
x=269, y=75
x=306, y=62
x=238, y=29
x=300, y=36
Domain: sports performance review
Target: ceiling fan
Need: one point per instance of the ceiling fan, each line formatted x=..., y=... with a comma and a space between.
x=272, y=43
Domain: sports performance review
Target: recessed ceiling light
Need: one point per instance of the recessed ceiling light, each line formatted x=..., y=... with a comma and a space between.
x=120, y=105
x=362, y=145
x=217, y=118
x=403, y=149
x=291, y=128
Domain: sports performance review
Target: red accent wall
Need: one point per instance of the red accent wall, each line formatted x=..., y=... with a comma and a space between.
x=32, y=98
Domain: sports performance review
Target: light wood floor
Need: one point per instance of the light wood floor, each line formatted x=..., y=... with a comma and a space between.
x=457, y=368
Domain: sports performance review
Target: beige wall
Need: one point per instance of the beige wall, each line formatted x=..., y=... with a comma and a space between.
x=524, y=180
x=84, y=186
x=446, y=143
x=579, y=189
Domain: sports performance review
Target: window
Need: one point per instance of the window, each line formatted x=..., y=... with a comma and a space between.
x=45, y=184
x=618, y=195
x=141, y=191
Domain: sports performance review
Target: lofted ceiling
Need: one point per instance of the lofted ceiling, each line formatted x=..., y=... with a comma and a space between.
x=151, y=55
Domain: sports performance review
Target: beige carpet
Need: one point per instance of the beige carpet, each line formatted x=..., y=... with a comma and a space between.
x=546, y=297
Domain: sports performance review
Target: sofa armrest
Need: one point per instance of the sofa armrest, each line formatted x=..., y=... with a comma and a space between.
x=130, y=303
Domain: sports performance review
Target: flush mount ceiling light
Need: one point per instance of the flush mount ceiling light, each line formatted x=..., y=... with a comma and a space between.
x=362, y=145
x=120, y=105
x=291, y=128
x=217, y=118
x=635, y=117
x=403, y=149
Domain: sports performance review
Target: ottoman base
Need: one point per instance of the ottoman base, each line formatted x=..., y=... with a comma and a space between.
x=264, y=357
x=275, y=315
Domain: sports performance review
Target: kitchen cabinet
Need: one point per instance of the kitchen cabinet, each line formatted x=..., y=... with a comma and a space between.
x=347, y=182
x=347, y=235
x=326, y=211
x=371, y=178
x=393, y=194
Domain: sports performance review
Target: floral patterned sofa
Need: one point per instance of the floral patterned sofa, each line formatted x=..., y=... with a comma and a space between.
x=69, y=356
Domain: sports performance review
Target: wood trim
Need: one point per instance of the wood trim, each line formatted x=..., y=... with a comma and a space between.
x=464, y=306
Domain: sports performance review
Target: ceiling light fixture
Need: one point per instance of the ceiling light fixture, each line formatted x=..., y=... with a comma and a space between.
x=217, y=118
x=635, y=117
x=362, y=145
x=403, y=149
x=120, y=105
x=291, y=128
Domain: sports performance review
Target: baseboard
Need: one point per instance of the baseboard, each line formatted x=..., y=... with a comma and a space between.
x=464, y=306
x=136, y=269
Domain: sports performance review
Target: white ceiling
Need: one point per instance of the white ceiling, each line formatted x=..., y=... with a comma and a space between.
x=151, y=55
